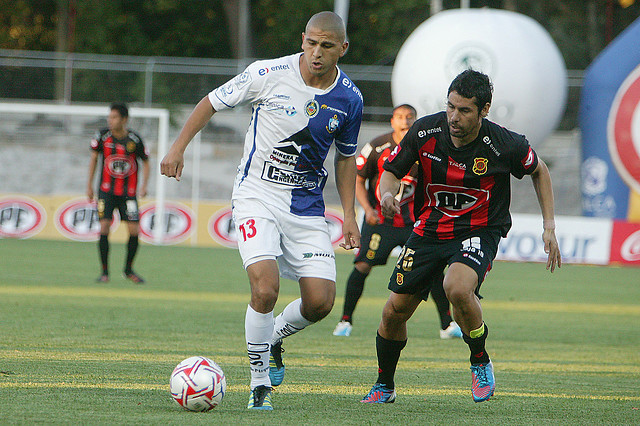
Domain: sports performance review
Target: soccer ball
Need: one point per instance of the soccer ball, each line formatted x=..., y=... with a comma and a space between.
x=198, y=384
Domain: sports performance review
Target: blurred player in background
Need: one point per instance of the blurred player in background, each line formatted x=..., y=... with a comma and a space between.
x=301, y=105
x=462, y=208
x=381, y=235
x=120, y=149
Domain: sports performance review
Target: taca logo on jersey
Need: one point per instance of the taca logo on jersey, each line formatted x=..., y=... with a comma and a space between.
x=21, y=217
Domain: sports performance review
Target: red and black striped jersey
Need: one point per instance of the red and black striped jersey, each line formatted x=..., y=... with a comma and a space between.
x=462, y=189
x=119, y=168
x=369, y=163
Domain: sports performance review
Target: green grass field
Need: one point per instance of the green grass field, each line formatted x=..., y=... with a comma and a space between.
x=566, y=347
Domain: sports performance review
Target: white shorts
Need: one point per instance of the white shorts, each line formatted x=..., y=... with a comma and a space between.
x=301, y=244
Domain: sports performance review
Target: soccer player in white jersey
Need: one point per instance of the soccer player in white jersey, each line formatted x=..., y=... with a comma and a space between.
x=301, y=105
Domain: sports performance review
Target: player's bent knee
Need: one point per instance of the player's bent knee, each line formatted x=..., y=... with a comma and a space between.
x=317, y=311
x=264, y=296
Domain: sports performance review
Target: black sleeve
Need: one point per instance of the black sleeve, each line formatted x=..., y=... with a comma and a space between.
x=524, y=159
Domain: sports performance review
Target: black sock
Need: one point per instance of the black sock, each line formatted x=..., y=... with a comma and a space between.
x=442, y=303
x=479, y=354
x=103, y=247
x=355, y=286
x=388, y=356
x=132, y=248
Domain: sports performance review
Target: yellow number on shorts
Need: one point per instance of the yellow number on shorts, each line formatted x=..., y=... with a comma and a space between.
x=374, y=244
x=405, y=260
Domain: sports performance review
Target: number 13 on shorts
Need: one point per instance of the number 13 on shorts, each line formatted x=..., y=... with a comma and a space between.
x=248, y=229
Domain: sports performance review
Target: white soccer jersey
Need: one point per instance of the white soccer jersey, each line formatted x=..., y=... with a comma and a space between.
x=291, y=130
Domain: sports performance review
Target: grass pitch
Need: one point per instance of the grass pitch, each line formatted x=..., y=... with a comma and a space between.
x=566, y=346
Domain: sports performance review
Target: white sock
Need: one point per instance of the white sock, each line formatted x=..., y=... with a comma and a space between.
x=258, y=329
x=289, y=322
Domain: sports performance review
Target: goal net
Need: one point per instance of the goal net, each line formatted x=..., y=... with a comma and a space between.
x=45, y=148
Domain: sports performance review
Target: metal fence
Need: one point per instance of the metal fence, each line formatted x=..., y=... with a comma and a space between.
x=172, y=81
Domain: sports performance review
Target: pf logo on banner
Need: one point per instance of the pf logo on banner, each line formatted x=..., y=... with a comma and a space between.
x=176, y=227
x=623, y=130
x=21, y=217
x=78, y=220
x=222, y=229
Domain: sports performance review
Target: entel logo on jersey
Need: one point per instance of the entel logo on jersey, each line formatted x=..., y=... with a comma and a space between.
x=281, y=67
x=454, y=201
x=78, y=220
x=21, y=217
x=176, y=226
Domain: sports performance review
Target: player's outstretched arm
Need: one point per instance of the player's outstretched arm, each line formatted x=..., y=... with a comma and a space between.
x=541, y=179
x=346, y=184
x=173, y=163
x=389, y=187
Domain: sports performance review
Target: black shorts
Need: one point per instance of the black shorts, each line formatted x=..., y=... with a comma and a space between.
x=378, y=241
x=127, y=206
x=424, y=258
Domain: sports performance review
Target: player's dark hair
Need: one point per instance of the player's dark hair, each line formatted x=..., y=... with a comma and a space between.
x=473, y=84
x=121, y=108
x=407, y=106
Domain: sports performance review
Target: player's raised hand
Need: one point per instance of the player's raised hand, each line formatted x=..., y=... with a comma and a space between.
x=172, y=164
x=552, y=248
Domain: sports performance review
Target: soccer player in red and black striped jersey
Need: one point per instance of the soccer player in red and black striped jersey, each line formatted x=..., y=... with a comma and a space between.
x=380, y=235
x=120, y=150
x=462, y=210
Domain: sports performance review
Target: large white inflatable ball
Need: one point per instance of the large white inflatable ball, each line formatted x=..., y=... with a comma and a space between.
x=523, y=62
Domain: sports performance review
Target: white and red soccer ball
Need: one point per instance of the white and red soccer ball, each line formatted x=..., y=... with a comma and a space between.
x=198, y=384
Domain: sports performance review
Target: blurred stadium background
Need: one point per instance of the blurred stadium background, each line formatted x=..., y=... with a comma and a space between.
x=169, y=54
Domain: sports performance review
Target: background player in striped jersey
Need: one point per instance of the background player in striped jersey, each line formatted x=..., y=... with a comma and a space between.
x=381, y=235
x=462, y=209
x=302, y=104
x=120, y=150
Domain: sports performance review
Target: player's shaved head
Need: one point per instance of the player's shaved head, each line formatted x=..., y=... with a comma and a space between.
x=329, y=22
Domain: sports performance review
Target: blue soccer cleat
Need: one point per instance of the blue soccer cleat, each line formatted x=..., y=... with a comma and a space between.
x=380, y=394
x=343, y=329
x=451, y=332
x=260, y=399
x=483, y=382
x=276, y=366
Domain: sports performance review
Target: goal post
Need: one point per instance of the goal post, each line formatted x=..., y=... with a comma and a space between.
x=161, y=114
